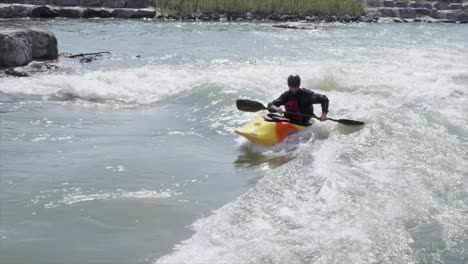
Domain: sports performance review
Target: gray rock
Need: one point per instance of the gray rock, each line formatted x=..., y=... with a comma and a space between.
x=16, y=73
x=137, y=4
x=44, y=11
x=436, y=14
x=422, y=12
x=34, y=2
x=389, y=12
x=374, y=3
x=6, y=11
x=69, y=12
x=415, y=4
x=44, y=44
x=94, y=12
x=296, y=25
x=125, y=13
x=455, y=6
x=23, y=10
x=401, y=4
x=105, y=13
x=67, y=2
x=15, y=48
x=441, y=6
x=456, y=15
x=114, y=3
x=93, y=3
x=146, y=13
x=388, y=3
x=427, y=5
x=407, y=13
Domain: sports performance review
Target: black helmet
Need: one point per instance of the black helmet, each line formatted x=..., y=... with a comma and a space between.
x=294, y=81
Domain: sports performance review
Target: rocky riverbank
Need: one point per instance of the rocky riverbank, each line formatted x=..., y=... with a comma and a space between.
x=46, y=11
x=450, y=11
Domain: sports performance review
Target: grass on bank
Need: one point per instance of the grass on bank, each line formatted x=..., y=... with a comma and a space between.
x=304, y=7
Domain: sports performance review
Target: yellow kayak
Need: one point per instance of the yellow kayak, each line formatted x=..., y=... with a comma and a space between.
x=270, y=130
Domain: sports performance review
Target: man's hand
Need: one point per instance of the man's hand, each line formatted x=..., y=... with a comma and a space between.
x=280, y=110
x=323, y=117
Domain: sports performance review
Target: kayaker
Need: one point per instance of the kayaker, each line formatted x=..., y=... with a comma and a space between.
x=300, y=100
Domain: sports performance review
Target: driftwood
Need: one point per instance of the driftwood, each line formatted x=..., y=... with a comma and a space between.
x=88, y=54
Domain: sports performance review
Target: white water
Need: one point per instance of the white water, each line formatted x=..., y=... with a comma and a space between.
x=393, y=191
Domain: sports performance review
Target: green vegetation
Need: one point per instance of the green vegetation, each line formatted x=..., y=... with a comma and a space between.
x=304, y=7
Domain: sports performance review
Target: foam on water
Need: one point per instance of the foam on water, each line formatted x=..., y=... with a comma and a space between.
x=73, y=195
x=392, y=192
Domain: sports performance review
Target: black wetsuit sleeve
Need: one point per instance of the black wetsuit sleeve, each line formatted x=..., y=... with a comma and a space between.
x=279, y=101
x=320, y=99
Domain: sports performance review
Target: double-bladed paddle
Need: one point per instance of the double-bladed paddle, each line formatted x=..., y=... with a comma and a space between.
x=254, y=106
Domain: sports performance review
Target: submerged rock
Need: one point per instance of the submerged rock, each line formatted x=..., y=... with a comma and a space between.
x=16, y=73
x=15, y=48
x=44, y=44
x=19, y=47
x=296, y=25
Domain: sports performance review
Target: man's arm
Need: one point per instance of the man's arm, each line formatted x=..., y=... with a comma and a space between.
x=323, y=101
x=277, y=103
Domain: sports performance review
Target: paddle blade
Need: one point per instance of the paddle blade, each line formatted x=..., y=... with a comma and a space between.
x=249, y=105
x=348, y=122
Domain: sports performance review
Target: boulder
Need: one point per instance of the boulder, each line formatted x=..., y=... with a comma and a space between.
x=389, y=12
x=92, y=3
x=456, y=15
x=95, y=12
x=34, y=2
x=296, y=25
x=374, y=3
x=455, y=6
x=15, y=48
x=137, y=4
x=67, y=2
x=415, y=4
x=6, y=11
x=427, y=5
x=423, y=12
x=23, y=10
x=44, y=44
x=401, y=4
x=44, y=11
x=125, y=13
x=16, y=73
x=69, y=12
x=388, y=3
x=440, y=6
x=407, y=13
x=105, y=13
x=146, y=13
x=114, y=3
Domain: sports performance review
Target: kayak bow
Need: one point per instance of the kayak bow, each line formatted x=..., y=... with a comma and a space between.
x=270, y=130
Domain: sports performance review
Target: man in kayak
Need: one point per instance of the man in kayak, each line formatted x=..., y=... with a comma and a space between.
x=299, y=100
